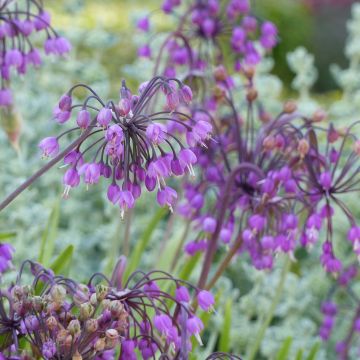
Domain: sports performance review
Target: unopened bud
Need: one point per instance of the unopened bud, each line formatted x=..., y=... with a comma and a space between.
x=51, y=323
x=220, y=73
x=91, y=325
x=116, y=308
x=269, y=143
x=74, y=327
x=251, y=95
x=303, y=147
x=319, y=115
x=112, y=337
x=58, y=293
x=93, y=299
x=289, y=107
x=77, y=356
x=101, y=292
x=249, y=71
x=86, y=311
x=100, y=344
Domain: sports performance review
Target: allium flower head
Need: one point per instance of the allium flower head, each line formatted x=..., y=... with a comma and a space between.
x=19, y=20
x=105, y=316
x=129, y=142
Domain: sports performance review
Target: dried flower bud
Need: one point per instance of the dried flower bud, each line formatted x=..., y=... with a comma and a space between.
x=58, y=293
x=51, y=323
x=289, y=107
x=249, y=71
x=86, y=311
x=303, y=147
x=116, y=308
x=251, y=95
x=61, y=337
x=319, y=115
x=91, y=325
x=101, y=292
x=93, y=299
x=99, y=345
x=269, y=143
x=77, y=356
x=112, y=337
x=220, y=73
x=37, y=303
x=74, y=327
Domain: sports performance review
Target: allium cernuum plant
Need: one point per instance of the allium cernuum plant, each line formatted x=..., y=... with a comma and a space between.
x=130, y=142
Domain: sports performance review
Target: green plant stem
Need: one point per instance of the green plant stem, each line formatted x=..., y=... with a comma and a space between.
x=278, y=292
x=176, y=257
x=126, y=243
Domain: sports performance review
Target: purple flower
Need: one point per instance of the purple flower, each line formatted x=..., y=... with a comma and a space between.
x=49, y=146
x=182, y=294
x=83, y=119
x=104, y=117
x=206, y=300
x=144, y=51
x=143, y=24
x=49, y=349
x=6, y=98
x=6, y=254
x=167, y=196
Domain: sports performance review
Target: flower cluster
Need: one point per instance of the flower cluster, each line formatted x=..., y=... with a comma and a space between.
x=334, y=313
x=201, y=27
x=267, y=181
x=129, y=142
x=61, y=318
x=18, y=21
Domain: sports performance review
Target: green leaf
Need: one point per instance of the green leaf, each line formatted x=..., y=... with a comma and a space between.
x=7, y=235
x=313, y=351
x=283, y=353
x=49, y=236
x=143, y=242
x=61, y=264
x=6, y=340
x=299, y=354
x=189, y=266
x=224, y=344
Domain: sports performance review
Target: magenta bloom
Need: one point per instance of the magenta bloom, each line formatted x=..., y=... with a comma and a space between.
x=206, y=300
x=49, y=146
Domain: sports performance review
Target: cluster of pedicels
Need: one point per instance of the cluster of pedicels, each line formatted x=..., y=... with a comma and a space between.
x=334, y=314
x=130, y=141
x=63, y=319
x=19, y=20
x=202, y=25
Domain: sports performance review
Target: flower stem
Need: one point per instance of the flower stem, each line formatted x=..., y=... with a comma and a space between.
x=45, y=168
x=211, y=249
x=222, y=267
x=270, y=314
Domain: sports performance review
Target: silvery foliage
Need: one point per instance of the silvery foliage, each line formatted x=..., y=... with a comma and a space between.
x=349, y=79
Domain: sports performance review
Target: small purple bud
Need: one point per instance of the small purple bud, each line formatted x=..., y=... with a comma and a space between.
x=172, y=100
x=49, y=146
x=104, y=117
x=65, y=103
x=150, y=183
x=83, y=119
x=209, y=224
x=182, y=294
x=186, y=94
x=143, y=24
x=206, y=300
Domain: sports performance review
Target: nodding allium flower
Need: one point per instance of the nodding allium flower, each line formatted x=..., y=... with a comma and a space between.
x=130, y=143
x=347, y=313
x=19, y=20
x=201, y=25
x=6, y=255
x=266, y=186
x=61, y=318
